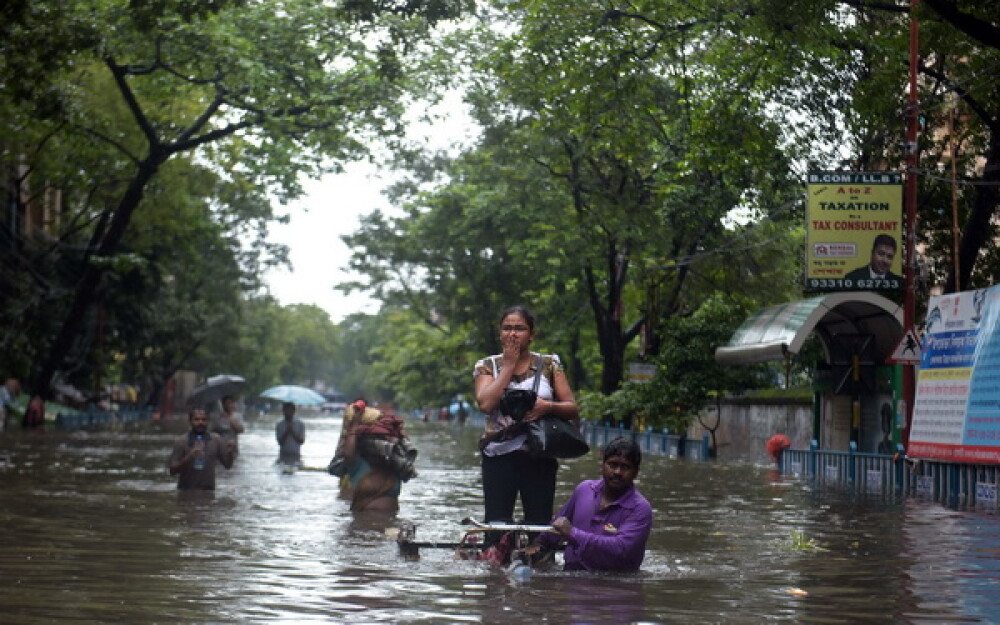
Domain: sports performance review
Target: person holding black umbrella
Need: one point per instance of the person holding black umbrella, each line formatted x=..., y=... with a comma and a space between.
x=229, y=423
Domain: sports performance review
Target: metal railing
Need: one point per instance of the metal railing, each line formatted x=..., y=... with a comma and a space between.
x=890, y=475
x=951, y=484
x=661, y=443
x=88, y=419
x=654, y=443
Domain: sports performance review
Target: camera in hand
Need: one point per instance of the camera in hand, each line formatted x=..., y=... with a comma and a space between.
x=516, y=402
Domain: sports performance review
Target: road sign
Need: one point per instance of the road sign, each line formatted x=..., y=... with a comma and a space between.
x=908, y=350
x=641, y=372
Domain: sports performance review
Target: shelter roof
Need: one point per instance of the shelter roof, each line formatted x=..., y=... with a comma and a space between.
x=779, y=331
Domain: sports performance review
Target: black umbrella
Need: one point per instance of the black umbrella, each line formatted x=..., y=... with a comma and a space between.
x=215, y=388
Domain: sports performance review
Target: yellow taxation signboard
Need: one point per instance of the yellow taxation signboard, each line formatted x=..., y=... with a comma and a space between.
x=854, y=231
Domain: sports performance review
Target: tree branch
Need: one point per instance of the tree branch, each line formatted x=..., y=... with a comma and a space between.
x=982, y=31
x=878, y=6
x=119, y=72
x=987, y=118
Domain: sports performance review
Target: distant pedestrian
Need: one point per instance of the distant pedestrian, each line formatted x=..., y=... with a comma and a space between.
x=8, y=393
x=291, y=433
x=34, y=414
x=195, y=454
x=229, y=423
x=776, y=446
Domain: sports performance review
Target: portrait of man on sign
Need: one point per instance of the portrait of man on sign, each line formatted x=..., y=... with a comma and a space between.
x=878, y=268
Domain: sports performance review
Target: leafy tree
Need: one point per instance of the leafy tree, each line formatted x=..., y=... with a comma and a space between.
x=354, y=358
x=690, y=374
x=602, y=182
x=263, y=90
x=459, y=254
x=260, y=348
x=617, y=110
x=312, y=342
x=687, y=376
x=960, y=50
x=181, y=303
x=659, y=126
x=865, y=48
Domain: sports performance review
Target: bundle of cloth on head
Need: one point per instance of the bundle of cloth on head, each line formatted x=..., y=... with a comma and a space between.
x=382, y=441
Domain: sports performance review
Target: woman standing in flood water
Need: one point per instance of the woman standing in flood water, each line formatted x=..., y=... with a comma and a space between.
x=508, y=469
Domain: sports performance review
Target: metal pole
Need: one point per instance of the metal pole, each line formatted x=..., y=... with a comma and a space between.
x=955, y=233
x=912, y=164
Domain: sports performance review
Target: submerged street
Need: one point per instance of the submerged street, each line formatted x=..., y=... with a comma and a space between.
x=95, y=531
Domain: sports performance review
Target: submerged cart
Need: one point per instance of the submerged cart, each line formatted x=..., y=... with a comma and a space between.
x=472, y=545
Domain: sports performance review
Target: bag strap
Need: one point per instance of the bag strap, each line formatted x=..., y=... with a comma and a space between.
x=538, y=371
x=538, y=374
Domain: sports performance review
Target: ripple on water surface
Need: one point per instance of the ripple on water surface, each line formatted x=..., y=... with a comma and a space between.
x=94, y=531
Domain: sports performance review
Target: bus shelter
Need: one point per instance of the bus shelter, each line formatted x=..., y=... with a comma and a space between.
x=858, y=396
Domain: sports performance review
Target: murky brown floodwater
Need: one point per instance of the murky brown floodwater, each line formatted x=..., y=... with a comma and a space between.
x=94, y=531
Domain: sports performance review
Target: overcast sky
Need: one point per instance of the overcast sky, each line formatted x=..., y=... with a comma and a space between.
x=332, y=207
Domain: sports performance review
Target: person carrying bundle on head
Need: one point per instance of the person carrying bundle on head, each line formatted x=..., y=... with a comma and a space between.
x=374, y=456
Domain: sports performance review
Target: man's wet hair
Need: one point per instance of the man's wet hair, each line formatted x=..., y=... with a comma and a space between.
x=626, y=447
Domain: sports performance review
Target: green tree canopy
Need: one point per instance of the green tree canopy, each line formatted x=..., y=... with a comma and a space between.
x=264, y=91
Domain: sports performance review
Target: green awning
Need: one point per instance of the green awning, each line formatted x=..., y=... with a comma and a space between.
x=777, y=332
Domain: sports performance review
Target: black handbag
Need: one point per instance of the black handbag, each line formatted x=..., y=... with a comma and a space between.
x=517, y=402
x=554, y=437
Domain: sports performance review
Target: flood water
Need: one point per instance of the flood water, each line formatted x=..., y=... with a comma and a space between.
x=93, y=531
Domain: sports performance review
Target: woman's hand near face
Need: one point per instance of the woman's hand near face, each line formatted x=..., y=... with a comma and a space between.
x=515, y=336
x=511, y=350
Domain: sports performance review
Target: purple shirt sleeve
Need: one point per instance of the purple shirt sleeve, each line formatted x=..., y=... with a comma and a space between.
x=551, y=539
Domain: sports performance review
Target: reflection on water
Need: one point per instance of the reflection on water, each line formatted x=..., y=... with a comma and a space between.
x=95, y=531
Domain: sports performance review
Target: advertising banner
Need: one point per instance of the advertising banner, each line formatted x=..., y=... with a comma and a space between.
x=854, y=231
x=956, y=410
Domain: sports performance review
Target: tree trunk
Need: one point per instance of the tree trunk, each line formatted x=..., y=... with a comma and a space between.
x=607, y=316
x=977, y=227
x=613, y=350
x=86, y=289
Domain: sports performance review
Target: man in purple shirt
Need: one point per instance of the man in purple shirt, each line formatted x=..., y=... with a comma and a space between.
x=606, y=522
